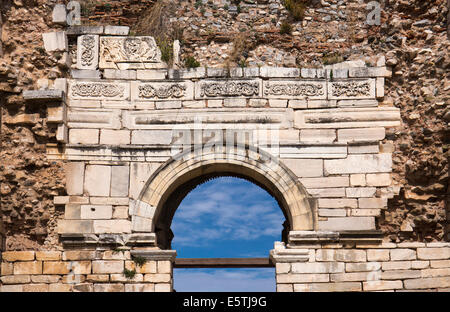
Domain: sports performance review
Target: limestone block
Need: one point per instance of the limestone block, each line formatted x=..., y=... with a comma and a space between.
x=63, y=267
x=348, y=255
x=115, y=137
x=83, y=136
x=279, y=72
x=23, y=119
x=13, y=256
x=363, y=267
x=361, y=134
x=189, y=73
x=139, y=287
x=369, y=72
x=364, y=149
x=216, y=72
x=318, y=267
x=396, y=265
x=56, y=114
x=302, y=278
x=60, y=288
x=74, y=177
x=321, y=103
x=359, y=164
x=298, y=104
x=109, y=288
x=357, y=103
x=303, y=168
x=48, y=255
x=425, y=283
x=320, y=135
x=111, y=90
x=328, y=287
x=358, y=179
x=403, y=254
x=161, y=137
x=440, y=264
x=251, y=71
x=316, y=151
x=162, y=287
x=257, y=102
x=337, y=203
x=72, y=255
x=168, y=105
x=7, y=268
x=282, y=268
x=29, y=267
x=194, y=104
x=97, y=180
x=278, y=103
x=83, y=30
x=435, y=272
x=85, y=74
x=347, y=118
x=117, y=30
x=72, y=212
x=295, y=89
x=112, y=226
x=11, y=288
x=433, y=253
x=164, y=267
x=348, y=223
x=55, y=41
x=15, y=279
x=59, y=14
x=380, y=87
x=327, y=192
x=120, y=176
x=285, y=288
x=151, y=74
x=215, y=103
x=139, y=174
x=141, y=224
x=36, y=288
x=372, y=203
x=120, y=74
x=355, y=276
x=308, y=73
x=43, y=95
x=325, y=182
x=382, y=285
x=148, y=267
x=360, y=191
x=379, y=179
x=75, y=226
x=87, y=52
x=96, y=212
x=62, y=133
x=401, y=274
x=120, y=212
x=47, y=279
x=157, y=278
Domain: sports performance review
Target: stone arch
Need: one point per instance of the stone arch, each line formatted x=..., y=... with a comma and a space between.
x=166, y=188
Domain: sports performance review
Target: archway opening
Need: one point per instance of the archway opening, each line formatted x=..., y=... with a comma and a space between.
x=226, y=217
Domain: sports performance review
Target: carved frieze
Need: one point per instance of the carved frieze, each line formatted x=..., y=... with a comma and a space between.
x=87, y=54
x=98, y=90
x=295, y=89
x=228, y=88
x=160, y=91
x=114, y=50
x=352, y=89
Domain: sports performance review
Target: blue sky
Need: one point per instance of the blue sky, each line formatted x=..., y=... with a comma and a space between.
x=226, y=217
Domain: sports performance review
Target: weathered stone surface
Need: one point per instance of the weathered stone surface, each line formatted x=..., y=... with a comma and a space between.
x=396, y=265
x=347, y=255
x=348, y=223
x=120, y=176
x=48, y=255
x=59, y=14
x=87, y=53
x=372, y=203
x=96, y=212
x=84, y=136
x=43, y=95
x=109, y=288
x=382, y=285
x=361, y=134
x=107, y=267
x=425, y=283
x=55, y=41
x=328, y=287
x=15, y=279
x=29, y=267
x=117, y=30
x=319, y=135
x=433, y=253
x=13, y=256
x=115, y=137
x=305, y=167
x=378, y=179
x=74, y=226
x=72, y=255
x=120, y=74
x=157, y=278
x=403, y=254
x=378, y=255
x=97, y=180
x=74, y=177
x=360, y=191
x=161, y=137
x=363, y=267
x=355, y=277
x=319, y=267
x=400, y=274
x=327, y=192
x=359, y=164
x=302, y=278
x=112, y=226
x=337, y=203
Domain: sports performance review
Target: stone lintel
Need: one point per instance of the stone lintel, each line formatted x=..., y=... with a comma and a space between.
x=139, y=239
x=156, y=254
x=298, y=238
x=43, y=95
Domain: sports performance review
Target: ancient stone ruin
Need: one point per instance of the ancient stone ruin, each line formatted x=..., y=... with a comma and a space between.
x=133, y=136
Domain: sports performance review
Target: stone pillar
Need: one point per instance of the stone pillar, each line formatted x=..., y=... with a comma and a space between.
x=162, y=277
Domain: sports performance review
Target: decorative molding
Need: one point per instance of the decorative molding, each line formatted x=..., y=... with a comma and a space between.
x=214, y=89
x=97, y=90
x=87, y=50
x=350, y=89
x=300, y=89
x=149, y=91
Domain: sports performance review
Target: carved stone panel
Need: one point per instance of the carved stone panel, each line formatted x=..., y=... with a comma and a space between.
x=115, y=50
x=93, y=90
x=161, y=91
x=216, y=89
x=351, y=89
x=87, y=53
x=283, y=89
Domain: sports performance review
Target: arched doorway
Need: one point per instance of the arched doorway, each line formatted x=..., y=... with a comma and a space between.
x=167, y=187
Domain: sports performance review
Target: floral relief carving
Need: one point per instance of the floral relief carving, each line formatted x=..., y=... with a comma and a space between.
x=351, y=89
x=229, y=88
x=87, y=50
x=129, y=49
x=294, y=89
x=163, y=92
x=97, y=90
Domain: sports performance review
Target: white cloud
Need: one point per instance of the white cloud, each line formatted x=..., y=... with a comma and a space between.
x=224, y=280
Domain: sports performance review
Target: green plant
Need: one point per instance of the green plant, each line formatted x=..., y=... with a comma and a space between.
x=238, y=9
x=296, y=8
x=129, y=274
x=286, y=28
x=140, y=261
x=226, y=7
x=242, y=63
x=198, y=4
x=202, y=10
x=116, y=250
x=191, y=62
x=166, y=47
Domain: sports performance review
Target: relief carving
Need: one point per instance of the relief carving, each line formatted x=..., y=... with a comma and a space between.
x=87, y=50
x=163, y=92
x=294, y=89
x=351, y=89
x=229, y=88
x=129, y=49
x=97, y=90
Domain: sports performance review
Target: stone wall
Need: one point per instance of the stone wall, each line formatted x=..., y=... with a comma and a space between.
x=83, y=271
x=363, y=267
